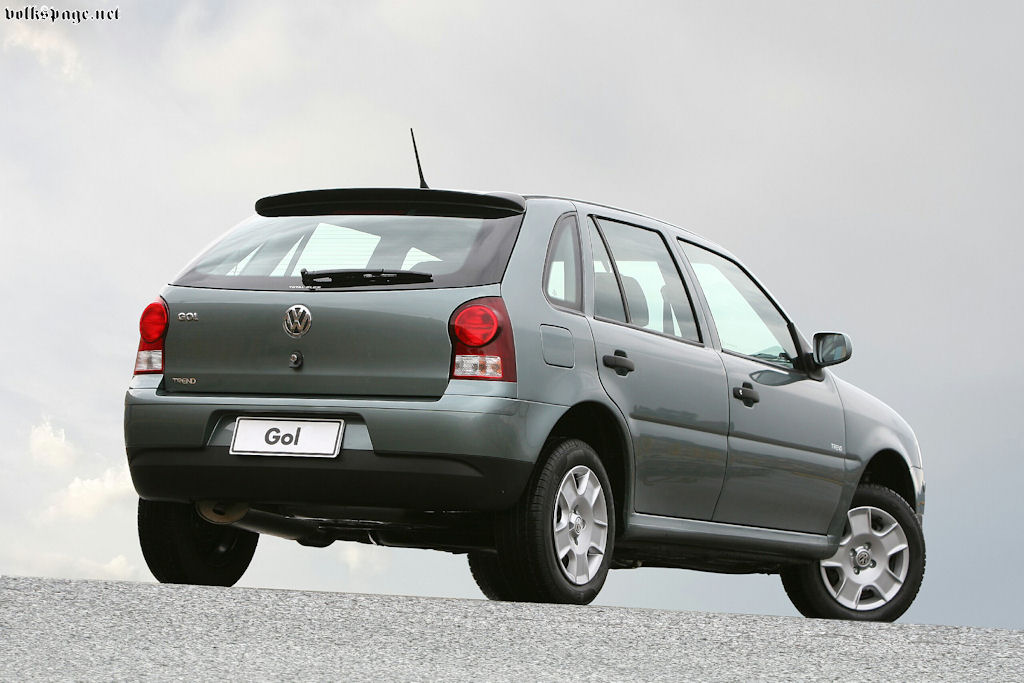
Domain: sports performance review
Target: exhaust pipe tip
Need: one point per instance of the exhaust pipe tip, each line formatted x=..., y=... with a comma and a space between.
x=219, y=512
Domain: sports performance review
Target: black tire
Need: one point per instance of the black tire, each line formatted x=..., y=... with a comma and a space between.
x=182, y=547
x=526, y=537
x=491, y=578
x=806, y=586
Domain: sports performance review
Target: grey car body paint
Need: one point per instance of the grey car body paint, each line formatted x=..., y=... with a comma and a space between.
x=558, y=346
x=873, y=427
x=434, y=427
x=783, y=473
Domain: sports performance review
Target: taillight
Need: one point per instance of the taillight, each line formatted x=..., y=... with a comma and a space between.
x=482, y=344
x=475, y=325
x=152, y=329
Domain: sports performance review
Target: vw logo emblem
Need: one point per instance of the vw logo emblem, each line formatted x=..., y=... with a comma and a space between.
x=297, y=320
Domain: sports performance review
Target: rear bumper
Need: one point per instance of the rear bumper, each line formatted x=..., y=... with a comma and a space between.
x=459, y=452
x=354, y=478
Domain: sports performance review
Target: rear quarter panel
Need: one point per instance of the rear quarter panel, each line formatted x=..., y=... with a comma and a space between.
x=532, y=314
x=529, y=309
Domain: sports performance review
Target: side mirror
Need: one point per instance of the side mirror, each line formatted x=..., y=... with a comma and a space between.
x=831, y=348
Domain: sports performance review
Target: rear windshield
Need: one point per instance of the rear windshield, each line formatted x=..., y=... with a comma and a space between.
x=270, y=253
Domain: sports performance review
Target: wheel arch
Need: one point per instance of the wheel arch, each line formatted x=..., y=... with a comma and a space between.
x=603, y=428
x=890, y=469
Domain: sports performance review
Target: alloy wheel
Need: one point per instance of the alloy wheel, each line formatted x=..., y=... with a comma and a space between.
x=871, y=564
x=580, y=525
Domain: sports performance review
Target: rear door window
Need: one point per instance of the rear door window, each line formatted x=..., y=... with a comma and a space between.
x=607, y=296
x=656, y=298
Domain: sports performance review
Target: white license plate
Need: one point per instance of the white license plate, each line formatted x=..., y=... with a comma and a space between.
x=297, y=438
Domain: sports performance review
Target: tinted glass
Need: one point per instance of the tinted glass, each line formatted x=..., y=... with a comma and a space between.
x=607, y=298
x=655, y=295
x=747, y=321
x=270, y=253
x=562, y=270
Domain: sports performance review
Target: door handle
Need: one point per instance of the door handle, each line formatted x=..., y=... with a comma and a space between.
x=620, y=363
x=747, y=394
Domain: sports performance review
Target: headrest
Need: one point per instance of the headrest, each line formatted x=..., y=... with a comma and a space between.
x=639, y=314
x=607, y=300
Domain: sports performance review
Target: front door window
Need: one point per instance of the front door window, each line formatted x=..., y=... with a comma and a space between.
x=748, y=322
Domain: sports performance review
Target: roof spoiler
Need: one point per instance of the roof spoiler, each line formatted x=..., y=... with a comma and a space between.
x=393, y=202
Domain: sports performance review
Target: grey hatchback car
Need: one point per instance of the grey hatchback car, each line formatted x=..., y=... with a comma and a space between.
x=554, y=388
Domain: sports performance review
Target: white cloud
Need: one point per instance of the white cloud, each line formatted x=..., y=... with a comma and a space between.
x=28, y=563
x=85, y=498
x=855, y=143
x=363, y=559
x=50, y=446
x=117, y=568
x=223, y=61
x=51, y=48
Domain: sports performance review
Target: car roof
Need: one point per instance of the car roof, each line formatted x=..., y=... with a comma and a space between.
x=481, y=204
x=626, y=213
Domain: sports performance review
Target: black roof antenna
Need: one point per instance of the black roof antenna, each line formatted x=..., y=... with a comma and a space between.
x=423, y=183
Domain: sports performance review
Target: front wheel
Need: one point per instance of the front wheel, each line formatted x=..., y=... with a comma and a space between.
x=557, y=542
x=877, y=570
x=182, y=547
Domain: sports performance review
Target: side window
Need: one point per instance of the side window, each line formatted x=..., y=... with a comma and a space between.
x=417, y=258
x=332, y=246
x=607, y=297
x=748, y=322
x=656, y=298
x=562, y=274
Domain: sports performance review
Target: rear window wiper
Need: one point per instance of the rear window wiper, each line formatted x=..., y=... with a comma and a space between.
x=360, y=278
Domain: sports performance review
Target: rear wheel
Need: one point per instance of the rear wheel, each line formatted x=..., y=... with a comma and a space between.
x=556, y=544
x=492, y=578
x=182, y=547
x=877, y=570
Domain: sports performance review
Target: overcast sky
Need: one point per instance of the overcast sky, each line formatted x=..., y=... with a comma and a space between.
x=865, y=159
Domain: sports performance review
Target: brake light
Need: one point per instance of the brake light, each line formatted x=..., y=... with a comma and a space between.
x=482, y=343
x=475, y=325
x=152, y=330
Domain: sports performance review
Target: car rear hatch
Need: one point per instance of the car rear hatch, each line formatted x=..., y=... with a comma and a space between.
x=385, y=269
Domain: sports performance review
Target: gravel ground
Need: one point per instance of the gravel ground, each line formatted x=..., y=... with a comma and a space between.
x=98, y=630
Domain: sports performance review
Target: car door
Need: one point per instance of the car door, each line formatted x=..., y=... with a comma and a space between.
x=653, y=364
x=786, y=429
